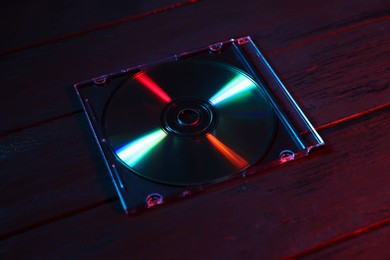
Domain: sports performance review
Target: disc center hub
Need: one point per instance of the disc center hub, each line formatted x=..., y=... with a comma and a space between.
x=188, y=117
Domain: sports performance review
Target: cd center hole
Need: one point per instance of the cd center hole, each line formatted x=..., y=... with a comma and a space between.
x=188, y=117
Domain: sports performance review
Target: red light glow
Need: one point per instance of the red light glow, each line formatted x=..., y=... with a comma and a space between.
x=153, y=87
x=233, y=157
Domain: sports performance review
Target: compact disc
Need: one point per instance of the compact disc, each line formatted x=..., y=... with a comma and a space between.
x=188, y=122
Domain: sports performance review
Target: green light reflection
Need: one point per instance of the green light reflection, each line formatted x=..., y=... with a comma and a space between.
x=239, y=85
x=133, y=152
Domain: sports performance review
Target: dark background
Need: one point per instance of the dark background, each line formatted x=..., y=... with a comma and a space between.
x=57, y=199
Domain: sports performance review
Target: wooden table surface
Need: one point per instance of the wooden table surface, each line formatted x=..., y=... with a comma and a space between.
x=57, y=199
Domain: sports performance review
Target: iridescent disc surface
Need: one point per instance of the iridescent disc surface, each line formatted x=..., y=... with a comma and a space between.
x=189, y=122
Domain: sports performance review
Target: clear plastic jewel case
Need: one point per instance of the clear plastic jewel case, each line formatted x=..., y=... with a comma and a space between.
x=175, y=127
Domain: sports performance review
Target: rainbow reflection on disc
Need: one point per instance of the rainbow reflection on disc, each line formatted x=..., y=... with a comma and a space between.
x=189, y=122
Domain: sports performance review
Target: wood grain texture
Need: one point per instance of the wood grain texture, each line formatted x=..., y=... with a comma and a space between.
x=333, y=192
x=47, y=171
x=41, y=79
x=43, y=20
x=373, y=245
x=57, y=199
x=318, y=92
x=339, y=75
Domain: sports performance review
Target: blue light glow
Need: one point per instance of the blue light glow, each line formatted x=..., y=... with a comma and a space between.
x=133, y=152
x=239, y=85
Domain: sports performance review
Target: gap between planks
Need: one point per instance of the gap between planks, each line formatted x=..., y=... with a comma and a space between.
x=330, y=34
x=96, y=28
x=331, y=124
x=35, y=112
x=171, y=7
x=51, y=119
x=338, y=240
x=366, y=113
x=292, y=46
x=86, y=208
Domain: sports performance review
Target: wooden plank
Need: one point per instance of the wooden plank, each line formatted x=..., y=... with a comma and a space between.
x=49, y=170
x=77, y=128
x=351, y=68
x=25, y=23
x=370, y=241
x=335, y=191
x=373, y=245
x=41, y=79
